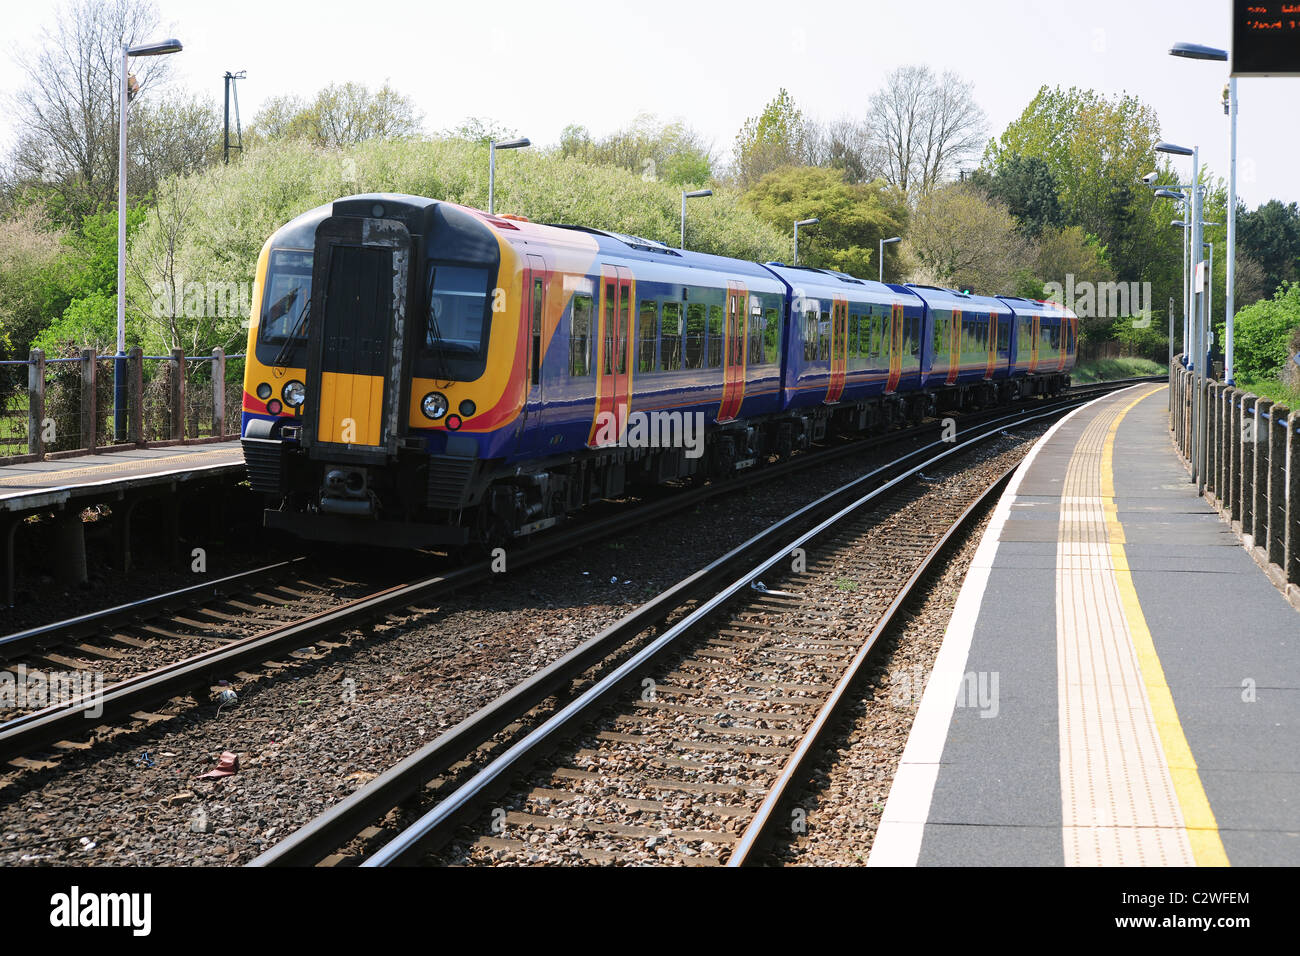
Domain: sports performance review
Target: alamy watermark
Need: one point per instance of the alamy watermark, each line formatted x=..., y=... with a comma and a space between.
x=202, y=300
x=651, y=430
x=1103, y=300
x=21, y=689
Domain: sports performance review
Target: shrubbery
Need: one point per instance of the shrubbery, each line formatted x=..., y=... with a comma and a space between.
x=1263, y=335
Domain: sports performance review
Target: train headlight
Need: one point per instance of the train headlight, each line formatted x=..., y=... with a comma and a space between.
x=294, y=394
x=434, y=405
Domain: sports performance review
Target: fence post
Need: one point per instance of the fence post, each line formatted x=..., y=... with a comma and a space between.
x=88, y=399
x=178, y=395
x=219, y=392
x=1259, y=478
x=1291, y=532
x=135, y=392
x=1277, y=486
x=1246, y=501
x=1234, y=451
x=36, y=403
x=1211, y=441
x=1225, y=446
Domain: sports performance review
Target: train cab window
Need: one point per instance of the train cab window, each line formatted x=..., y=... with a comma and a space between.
x=580, y=337
x=670, y=344
x=456, y=327
x=649, y=323
x=715, y=336
x=695, y=321
x=771, y=335
x=288, y=291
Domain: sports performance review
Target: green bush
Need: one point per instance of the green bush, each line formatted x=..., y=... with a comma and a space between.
x=209, y=227
x=1261, y=333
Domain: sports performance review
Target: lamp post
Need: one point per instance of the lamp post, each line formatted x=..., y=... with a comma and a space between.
x=157, y=48
x=883, y=243
x=1195, y=51
x=693, y=194
x=493, y=146
x=797, y=224
x=1197, y=299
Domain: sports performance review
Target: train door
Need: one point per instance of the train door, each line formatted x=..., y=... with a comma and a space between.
x=1063, y=325
x=733, y=353
x=614, y=340
x=839, y=350
x=1033, y=347
x=990, y=359
x=532, y=338
x=895, y=349
x=954, y=346
x=356, y=358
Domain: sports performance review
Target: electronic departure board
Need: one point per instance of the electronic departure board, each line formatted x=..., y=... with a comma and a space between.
x=1265, y=38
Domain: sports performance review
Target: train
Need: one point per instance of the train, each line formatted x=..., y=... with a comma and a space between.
x=421, y=374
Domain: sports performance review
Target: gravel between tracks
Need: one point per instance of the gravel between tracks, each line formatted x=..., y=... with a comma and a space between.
x=308, y=737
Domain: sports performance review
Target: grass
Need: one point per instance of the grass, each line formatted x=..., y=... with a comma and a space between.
x=1274, y=391
x=1107, y=370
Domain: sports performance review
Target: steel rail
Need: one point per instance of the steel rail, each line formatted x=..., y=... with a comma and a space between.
x=438, y=824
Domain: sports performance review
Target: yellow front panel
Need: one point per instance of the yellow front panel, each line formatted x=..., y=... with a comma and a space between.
x=351, y=409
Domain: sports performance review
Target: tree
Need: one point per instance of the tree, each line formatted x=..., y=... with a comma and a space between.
x=69, y=111
x=854, y=216
x=923, y=126
x=776, y=137
x=671, y=152
x=1262, y=332
x=843, y=145
x=1028, y=188
x=1271, y=236
x=958, y=237
x=341, y=115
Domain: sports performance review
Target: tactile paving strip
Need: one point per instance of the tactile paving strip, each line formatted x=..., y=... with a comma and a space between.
x=1118, y=802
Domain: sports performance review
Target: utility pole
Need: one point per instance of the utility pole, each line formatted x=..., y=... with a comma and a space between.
x=230, y=79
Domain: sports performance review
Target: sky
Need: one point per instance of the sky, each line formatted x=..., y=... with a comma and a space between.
x=540, y=65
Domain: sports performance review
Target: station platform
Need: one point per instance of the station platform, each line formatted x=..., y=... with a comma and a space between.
x=47, y=484
x=1120, y=682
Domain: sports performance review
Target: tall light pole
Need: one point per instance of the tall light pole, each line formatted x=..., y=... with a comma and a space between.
x=493, y=146
x=157, y=48
x=1195, y=51
x=883, y=243
x=693, y=194
x=1199, y=336
x=797, y=224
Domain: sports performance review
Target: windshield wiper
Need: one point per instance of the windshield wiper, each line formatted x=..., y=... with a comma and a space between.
x=286, y=350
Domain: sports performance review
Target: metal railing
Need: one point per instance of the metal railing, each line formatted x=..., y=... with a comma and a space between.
x=57, y=407
x=1252, y=465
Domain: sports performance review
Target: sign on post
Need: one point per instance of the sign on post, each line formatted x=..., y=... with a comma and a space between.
x=1265, y=38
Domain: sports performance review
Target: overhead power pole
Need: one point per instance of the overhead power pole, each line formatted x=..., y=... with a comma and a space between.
x=239, y=135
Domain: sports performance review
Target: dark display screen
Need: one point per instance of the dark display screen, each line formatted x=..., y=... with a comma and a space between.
x=1265, y=38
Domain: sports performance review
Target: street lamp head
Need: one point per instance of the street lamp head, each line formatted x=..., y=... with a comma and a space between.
x=1170, y=194
x=888, y=241
x=1178, y=224
x=698, y=193
x=807, y=222
x=1163, y=147
x=518, y=143
x=156, y=48
x=1196, y=51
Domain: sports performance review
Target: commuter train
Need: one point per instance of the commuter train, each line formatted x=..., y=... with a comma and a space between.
x=423, y=374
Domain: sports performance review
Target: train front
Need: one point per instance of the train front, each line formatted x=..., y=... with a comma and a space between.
x=375, y=388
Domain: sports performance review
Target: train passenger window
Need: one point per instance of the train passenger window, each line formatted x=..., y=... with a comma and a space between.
x=580, y=337
x=755, y=305
x=611, y=296
x=939, y=327
x=824, y=334
x=670, y=347
x=811, y=319
x=914, y=337
x=695, y=322
x=715, y=336
x=649, y=321
x=853, y=335
x=771, y=335
x=458, y=304
x=624, y=326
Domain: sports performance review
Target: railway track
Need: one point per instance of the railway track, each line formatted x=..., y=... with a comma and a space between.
x=37, y=739
x=467, y=768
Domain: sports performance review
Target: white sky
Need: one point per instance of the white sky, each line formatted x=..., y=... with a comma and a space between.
x=537, y=65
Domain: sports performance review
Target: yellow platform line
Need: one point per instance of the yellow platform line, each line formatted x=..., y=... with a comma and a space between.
x=1198, y=817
